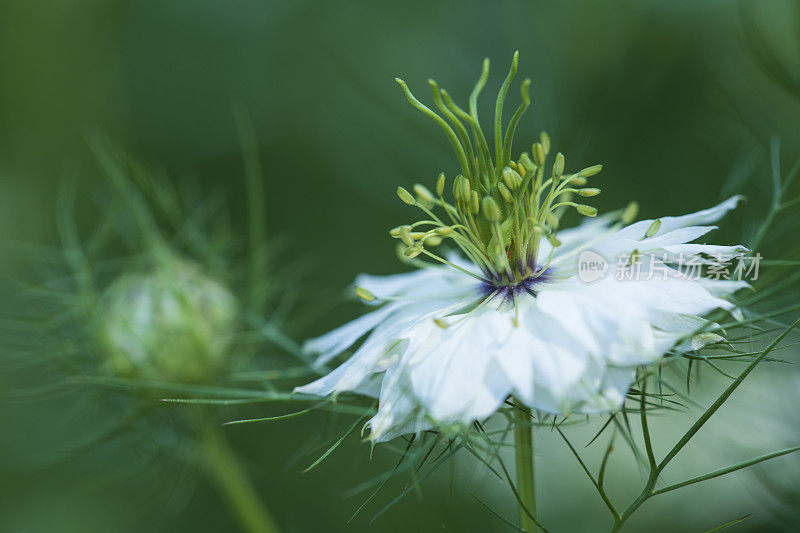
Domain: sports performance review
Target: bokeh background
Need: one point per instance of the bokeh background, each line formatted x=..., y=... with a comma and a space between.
x=678, y=99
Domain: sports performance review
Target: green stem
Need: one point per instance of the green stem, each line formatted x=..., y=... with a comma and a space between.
x=232, y=482
x=256, y=207
x=523, y=453
x=646, y=493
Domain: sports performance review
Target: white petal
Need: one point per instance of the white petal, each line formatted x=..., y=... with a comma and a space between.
x=668, y=224
x=453, y=373
x=588, y=232
x=724, y=253
x=612, y=392
x=335, y=342
x=723, y=287
x=400, y=284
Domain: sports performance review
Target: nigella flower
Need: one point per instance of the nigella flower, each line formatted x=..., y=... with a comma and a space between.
x=510, y=315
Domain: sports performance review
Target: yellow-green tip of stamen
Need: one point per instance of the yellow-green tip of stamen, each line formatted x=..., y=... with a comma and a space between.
x=364, y=294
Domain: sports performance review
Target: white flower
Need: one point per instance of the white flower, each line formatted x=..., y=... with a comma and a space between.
x=573, y=347
x=446, y=349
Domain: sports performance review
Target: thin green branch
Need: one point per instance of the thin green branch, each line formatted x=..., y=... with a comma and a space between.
x=727, y=470
x=723, y=397
x=648, y=445
x=334, y=446
x=597, y=486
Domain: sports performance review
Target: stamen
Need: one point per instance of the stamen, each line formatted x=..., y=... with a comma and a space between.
x=423, y=194
x=653, y=229
x=518, y=203
x=511, y=178
x=406, y=196
x=440, y=182
x=446, y=262
x=364, y=294
x=629, y=215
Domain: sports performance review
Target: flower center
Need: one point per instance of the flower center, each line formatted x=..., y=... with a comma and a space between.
x=528, y=285
x=501, y=209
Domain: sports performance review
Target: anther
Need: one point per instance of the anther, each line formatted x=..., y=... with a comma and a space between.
x=364, y=294
x=423, y=193
x=475, y=203
x=405, y=196
x=538, y=154
x=490, y=209
x=653, y=229
x=545, y=138
x=405, y=235
x=440, y=181
x=511, y=178
x=629, y=215
x=505, y=193
x=413, y=251
x=558, y=166
x=590, y=171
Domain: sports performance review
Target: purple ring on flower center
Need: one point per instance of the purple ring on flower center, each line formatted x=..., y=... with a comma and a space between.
x=501, y=287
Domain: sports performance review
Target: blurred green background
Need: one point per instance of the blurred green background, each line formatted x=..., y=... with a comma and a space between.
x=678, y=99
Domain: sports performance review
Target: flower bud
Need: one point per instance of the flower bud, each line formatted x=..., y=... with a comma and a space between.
x=589, y=191
x=586, y=210
x=170, y=324
x=405, y=196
